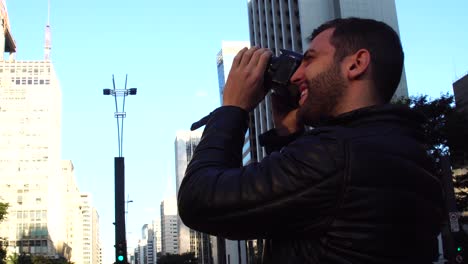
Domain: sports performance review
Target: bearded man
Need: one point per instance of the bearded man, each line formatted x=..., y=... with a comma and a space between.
x=357, y=188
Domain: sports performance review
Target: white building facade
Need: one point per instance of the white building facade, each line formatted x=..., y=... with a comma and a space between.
x=74, y=213
x=91, y=243
x=30, y=164
x=189, y=239
x=169, y=230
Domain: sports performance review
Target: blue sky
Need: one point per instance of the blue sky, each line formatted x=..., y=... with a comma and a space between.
x=168, y=49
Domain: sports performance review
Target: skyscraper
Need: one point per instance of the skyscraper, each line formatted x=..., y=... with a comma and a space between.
x=91, y=241
x=145, y=246
x=169, y=231
x=157, y=235
x=150, y=243
x=32, y=182
x=460, y=92
x=74, y=215
x=44, y=217
x=189, y=239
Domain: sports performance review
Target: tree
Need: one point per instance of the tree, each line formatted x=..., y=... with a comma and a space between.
x=3, y=211
x=3, y=214
x=446, y=131
x=13, y=259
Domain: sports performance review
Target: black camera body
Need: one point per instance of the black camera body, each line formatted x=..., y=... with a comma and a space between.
x=278, y=74
x=280, y=69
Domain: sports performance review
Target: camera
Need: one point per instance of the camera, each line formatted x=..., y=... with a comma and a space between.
x=278, y=73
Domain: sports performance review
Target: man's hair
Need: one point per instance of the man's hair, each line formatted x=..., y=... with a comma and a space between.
x=382, y=42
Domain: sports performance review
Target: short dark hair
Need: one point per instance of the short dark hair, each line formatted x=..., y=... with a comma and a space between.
x=382, y=42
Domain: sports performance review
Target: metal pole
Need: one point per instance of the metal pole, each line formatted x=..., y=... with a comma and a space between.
x=450, y=226
x=120, y=234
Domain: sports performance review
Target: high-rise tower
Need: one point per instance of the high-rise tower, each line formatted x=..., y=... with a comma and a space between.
x=37, y=185
x=189, y=239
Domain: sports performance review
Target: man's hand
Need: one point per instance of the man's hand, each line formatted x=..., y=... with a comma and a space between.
x=244, y=86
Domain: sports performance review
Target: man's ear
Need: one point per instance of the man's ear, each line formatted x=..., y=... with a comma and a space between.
x=358, y=64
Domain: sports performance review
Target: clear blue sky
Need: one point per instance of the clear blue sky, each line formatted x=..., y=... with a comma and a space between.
x=169, y=49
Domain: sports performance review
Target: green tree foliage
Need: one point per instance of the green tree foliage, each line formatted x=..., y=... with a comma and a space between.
x=3, y=214
x=3, y=211
x=37, y=259
x=177, y=259
x=446, y=130
x=13, y=259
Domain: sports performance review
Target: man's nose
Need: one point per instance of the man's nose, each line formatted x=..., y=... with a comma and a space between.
x=298, y=75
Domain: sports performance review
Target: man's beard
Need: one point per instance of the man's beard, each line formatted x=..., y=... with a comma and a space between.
x=325, y=91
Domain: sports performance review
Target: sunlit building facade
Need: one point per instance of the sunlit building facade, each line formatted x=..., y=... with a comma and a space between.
x=157, y=235
x=74, y=215
x=91, y=243
x=169, y=230
x=30, y=165
x=189, y=239
x=45, y=214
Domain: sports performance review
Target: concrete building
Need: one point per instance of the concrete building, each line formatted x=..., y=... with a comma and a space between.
x=30, y=164
x=460, y=92
x=157, y=235
x=169, y=230
x=45, y=213
x=91, y=241
x=74, y=218
x=146, y=250
x=185, y=144
x=189, y=240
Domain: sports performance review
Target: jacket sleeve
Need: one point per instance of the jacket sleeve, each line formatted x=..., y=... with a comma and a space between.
x=292, y=192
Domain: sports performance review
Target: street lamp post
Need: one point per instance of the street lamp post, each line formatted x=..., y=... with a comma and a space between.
x=126, y=210
x=119, y=168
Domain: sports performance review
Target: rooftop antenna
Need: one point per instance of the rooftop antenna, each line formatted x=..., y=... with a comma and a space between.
x=48, y=37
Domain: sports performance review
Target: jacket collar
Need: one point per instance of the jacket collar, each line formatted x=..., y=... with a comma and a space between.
x=386, y=112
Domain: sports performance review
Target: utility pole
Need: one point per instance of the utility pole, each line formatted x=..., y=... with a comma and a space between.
x=119, y=178
x=451, y=231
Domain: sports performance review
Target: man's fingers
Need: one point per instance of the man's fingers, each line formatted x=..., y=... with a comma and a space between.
x=238, y=57
x=262, y=59
x=247, y=56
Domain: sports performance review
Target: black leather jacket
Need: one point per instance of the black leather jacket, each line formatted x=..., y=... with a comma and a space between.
x=358, y=188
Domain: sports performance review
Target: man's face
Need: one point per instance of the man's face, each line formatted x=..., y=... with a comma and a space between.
x=319, y=79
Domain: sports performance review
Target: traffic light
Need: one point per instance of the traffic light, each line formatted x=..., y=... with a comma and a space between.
x=121, y=253
x=461, y=242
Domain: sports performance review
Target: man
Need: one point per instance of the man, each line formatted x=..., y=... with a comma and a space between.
x=358, y=188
